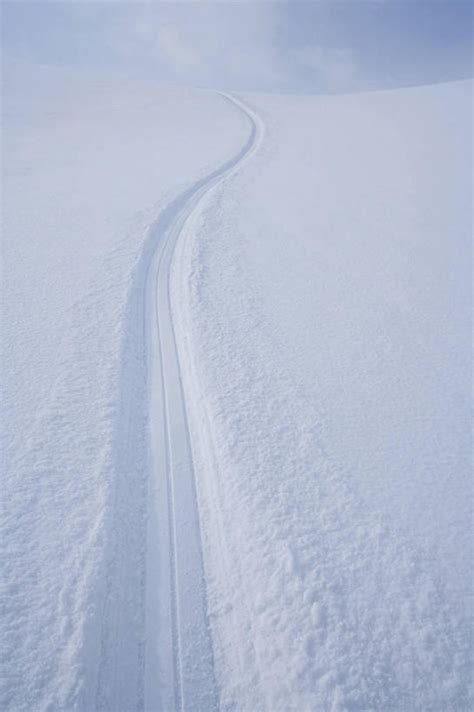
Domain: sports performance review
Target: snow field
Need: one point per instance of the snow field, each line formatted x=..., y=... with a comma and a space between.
x=321, y=301
x=320, y=298
x=88, y=165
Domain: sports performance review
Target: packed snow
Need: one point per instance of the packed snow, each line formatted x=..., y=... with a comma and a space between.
x=320, y=298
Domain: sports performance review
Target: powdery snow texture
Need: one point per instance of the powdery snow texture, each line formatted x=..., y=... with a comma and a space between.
x=322, y=300
x=88, y=165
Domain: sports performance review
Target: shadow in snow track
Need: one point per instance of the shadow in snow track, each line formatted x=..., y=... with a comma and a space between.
x=179, y=666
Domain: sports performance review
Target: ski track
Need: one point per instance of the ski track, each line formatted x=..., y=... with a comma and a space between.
x=179, y=665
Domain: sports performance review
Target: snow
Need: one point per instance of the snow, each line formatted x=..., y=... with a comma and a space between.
x=322, y=306
x=179, y=660
x=320, y=302
x=88, y=164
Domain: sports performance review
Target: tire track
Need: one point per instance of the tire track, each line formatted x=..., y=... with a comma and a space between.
x=179, y=665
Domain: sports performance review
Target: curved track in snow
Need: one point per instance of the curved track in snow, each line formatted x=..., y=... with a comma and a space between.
x=179, y=666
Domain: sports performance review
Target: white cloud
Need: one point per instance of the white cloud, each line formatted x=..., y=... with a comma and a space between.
x=335, y=69
x=205, y=44
x=224, y=45
x=177, y=47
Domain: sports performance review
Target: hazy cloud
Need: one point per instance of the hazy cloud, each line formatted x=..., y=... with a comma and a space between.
x=324, y=45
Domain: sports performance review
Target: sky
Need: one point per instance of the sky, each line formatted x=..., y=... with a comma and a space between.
x=317, y=46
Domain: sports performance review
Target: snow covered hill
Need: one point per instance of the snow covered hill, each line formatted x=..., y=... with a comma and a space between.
x=322, y=298
x=319, y=301
x=88, y=165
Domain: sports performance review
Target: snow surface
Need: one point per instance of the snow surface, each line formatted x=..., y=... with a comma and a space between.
x=87, y=166
x=179, y=659
x=320, y=297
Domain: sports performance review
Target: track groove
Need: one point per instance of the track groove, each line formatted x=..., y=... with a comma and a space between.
x=179, y=665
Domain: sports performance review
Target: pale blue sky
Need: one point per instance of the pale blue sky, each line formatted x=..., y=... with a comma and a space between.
x=322, y=45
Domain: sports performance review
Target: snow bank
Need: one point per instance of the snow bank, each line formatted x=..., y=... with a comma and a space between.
x=88, y=164
x=322, y=299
